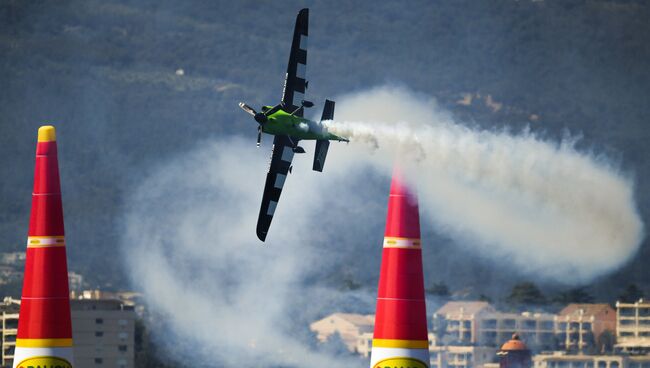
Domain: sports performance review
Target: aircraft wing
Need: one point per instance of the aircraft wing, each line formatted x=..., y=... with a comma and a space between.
x=295, y=82
x=281, y=157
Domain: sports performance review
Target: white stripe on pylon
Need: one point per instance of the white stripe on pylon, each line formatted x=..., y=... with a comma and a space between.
x=391, y=242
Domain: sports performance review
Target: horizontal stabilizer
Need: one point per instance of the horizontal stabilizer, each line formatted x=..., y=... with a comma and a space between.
x=320, y=153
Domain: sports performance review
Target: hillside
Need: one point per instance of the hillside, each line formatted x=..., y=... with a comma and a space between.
x=105, y=73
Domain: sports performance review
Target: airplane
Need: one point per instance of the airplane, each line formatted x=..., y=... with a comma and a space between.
x=286, y=122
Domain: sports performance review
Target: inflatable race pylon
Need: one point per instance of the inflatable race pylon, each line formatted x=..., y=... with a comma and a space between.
x=44, y=327
x=400, y=339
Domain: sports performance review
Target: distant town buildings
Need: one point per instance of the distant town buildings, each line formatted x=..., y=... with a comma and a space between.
x=581, y=326
x=560, y=359
x=452, y=356
x=478, y=323
x=353, y=330
x=633, y=327
x=472, y=335
x=103, y=331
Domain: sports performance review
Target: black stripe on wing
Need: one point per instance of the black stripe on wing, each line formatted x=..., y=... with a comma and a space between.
x=295, y=83
x=281, y=157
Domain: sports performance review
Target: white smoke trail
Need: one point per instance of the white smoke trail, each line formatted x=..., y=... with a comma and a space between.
x=555, y=212
x=190, y=243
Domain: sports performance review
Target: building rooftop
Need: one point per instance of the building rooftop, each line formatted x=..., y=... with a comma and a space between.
x=576, y=309
x=356, y=319
x=514, y=344
x=465, y=308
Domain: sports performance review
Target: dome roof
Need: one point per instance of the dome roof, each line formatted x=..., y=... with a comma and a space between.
x=514, y=344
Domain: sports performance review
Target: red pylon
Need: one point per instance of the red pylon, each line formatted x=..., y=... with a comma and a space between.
x=44, y=327
x=400, y=338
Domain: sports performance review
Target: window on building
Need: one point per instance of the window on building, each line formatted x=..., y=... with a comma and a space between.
x=529, y=324
x=490, y=323
x=123, y=322
x=467, y=324
x=613, y=365
x=125, y=335
x=626, y=312
x=122, y=348
x=586, y=326
x=509, y=323
x=602, y=364
x=99, y=333
x=99, y=360
x=121, y=363
x=99, y=321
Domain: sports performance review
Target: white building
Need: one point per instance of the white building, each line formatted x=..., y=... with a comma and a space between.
x=350, y=327
x=461, y=356
x=478, y=323
x=563, y=360
x=633, y=327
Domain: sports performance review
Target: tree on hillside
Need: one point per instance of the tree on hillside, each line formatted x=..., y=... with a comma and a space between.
x=525, y=293
x=631, y=294
x=438, y=289
x=575, y=295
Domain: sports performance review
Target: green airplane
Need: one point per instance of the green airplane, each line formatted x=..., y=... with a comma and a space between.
x=286, y=122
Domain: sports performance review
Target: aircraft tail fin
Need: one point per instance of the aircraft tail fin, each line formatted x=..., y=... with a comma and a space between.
x=328, y=111
x=320, y=153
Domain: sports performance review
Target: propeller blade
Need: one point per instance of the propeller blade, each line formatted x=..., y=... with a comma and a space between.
x=247, y=108
x=259, y=135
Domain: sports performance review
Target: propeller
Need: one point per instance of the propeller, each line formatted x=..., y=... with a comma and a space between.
x=260, y=117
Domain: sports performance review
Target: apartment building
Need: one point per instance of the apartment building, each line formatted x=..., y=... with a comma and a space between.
x=537, y=329
x=10, y=308
x=453, y=356
x=633, y=327
x=103, y=331
x=350, y=327
x=564, y=360
x=478, y=323
x=457, y=323
x=576, y=328
x=580, y=326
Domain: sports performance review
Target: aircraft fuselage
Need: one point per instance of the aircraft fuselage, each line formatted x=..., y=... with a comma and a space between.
x=283, y=123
